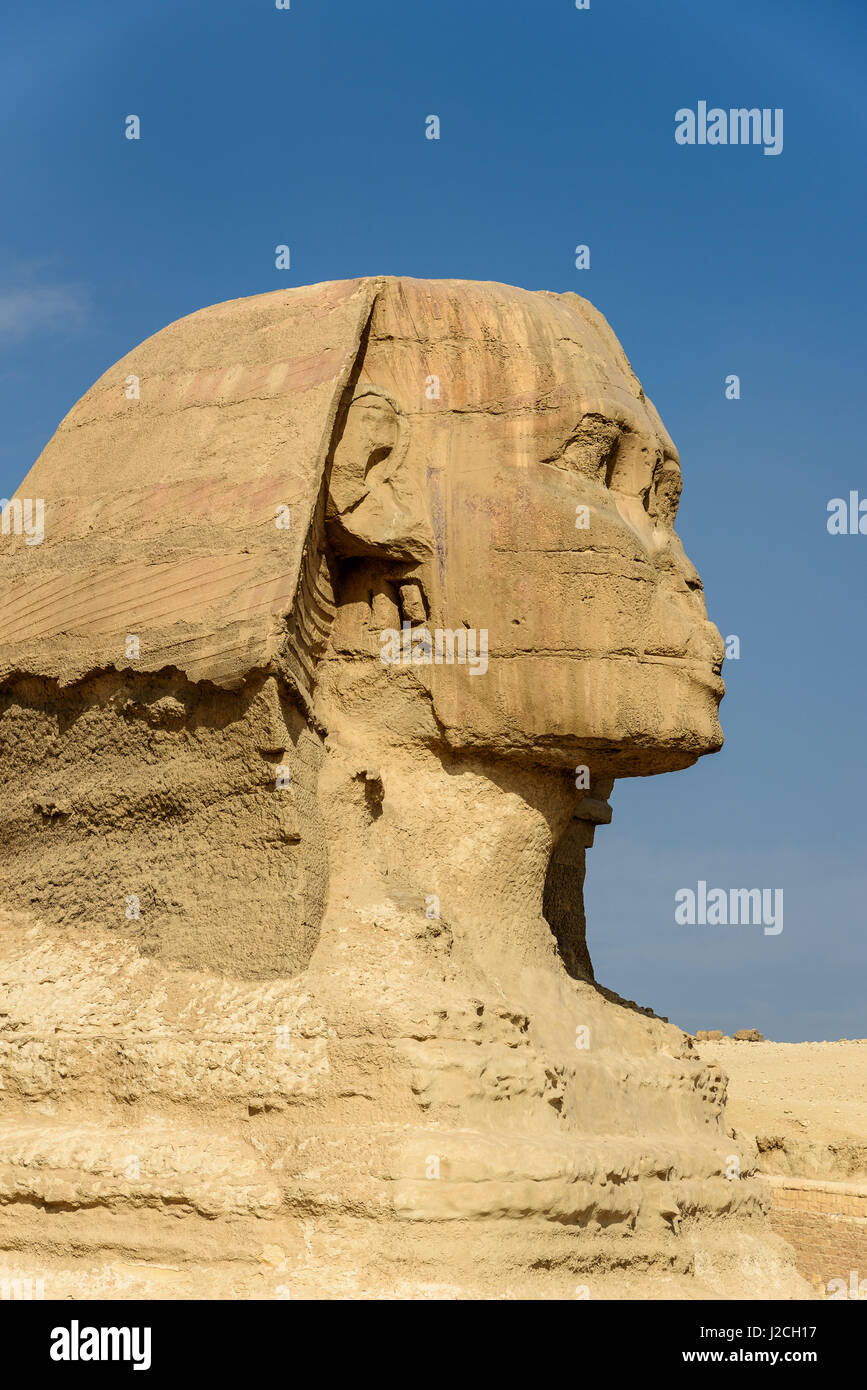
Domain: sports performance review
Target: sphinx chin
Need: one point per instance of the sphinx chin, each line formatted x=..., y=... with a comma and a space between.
x=621, y=715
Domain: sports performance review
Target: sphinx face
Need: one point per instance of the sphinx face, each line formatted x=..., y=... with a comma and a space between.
x=565, y=622
x=598, y=641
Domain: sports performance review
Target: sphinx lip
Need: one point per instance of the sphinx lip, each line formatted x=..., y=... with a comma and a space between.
x=708, y=677
x=704, y=673
x=713, y=682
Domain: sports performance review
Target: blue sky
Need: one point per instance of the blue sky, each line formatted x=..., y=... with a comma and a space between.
x=306, y=127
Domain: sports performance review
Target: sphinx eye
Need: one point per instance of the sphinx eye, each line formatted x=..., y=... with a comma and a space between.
x=590, y=450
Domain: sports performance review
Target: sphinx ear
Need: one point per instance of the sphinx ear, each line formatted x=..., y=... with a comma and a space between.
x=376, y=503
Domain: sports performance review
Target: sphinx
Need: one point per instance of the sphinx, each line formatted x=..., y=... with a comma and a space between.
x=300, y=1000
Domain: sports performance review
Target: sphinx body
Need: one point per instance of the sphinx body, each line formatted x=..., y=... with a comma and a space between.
x=301, y=997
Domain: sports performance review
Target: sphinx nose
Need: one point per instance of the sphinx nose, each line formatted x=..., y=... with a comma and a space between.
x=689, y=574
x=707, y=644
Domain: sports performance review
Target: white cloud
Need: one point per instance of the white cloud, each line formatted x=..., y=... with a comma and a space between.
x=27, y=309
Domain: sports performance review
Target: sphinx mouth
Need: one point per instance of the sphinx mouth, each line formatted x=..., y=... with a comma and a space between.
x=710, y=678
x=703, y=672
x=714, y=683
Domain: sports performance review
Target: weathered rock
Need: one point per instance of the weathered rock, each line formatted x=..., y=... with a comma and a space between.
x=749, y=1035
x=312, y=700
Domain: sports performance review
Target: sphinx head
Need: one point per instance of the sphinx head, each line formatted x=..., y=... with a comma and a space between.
x=502, y=501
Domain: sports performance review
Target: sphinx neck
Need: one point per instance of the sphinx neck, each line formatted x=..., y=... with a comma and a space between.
x=456, y=837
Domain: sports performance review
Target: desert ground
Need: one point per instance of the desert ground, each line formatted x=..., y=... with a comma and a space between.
x=806, y=1103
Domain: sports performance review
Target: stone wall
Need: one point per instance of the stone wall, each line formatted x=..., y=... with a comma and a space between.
x=826, y=1223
